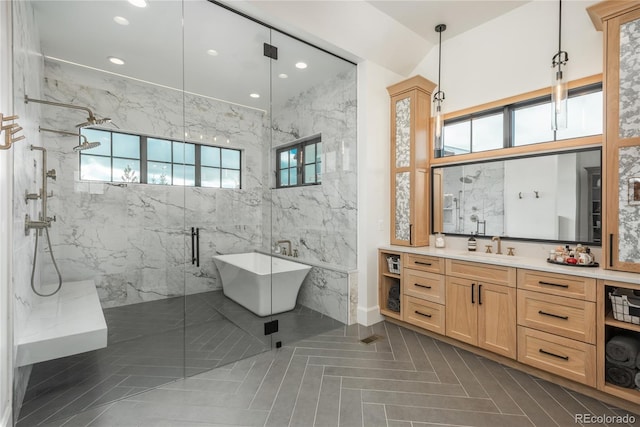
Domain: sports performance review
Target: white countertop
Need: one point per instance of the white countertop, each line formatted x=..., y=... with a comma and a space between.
x=519, y=262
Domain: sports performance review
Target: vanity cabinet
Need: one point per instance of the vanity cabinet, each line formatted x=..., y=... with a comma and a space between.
x=557, y=324
x=481, y=306
x=620, y=23
x=609, y=327
x=410, y=201
x=424, y=292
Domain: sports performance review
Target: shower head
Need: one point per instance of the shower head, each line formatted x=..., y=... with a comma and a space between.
x=85, y=143
x=466, y=179
x=92, y=120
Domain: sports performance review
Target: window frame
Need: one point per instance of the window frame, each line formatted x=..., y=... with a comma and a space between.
x=144, y=159
x=577, y=87
x=300, y=145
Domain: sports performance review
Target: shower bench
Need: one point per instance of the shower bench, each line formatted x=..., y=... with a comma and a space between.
x=67, y=323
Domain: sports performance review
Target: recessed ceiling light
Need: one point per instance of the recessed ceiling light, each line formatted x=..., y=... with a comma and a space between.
x=121, y=20
x=138, y=3
x=116, y=61
x=212, y=52
x=301, y=65
x=255, y=95
x=283, y=75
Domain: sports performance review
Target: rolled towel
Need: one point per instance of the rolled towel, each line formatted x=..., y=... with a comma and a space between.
x=621, y=376
x=638, y=380
x=394, y=291
x=393, y=304
x=638, y=361
x=623, y=350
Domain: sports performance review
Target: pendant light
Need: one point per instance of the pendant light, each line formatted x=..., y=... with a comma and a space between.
x=438, y=98
x=559, y=92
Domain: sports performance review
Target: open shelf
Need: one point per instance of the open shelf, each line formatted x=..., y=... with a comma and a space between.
x=386, y=280
x=610, y=321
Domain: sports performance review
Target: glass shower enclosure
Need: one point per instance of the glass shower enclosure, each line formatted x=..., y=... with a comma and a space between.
x=215, y=219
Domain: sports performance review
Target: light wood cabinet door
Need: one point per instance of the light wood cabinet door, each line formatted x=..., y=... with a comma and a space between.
x=410, y=190
x=462, y=310
x=620, y=23
x=497, y=319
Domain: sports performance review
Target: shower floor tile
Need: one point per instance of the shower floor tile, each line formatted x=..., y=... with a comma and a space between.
x=153, y=344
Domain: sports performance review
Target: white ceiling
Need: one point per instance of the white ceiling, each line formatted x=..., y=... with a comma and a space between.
x=394, y=34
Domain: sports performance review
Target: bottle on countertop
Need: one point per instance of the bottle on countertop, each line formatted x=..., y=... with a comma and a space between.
x=440, y=240
x=472, y=244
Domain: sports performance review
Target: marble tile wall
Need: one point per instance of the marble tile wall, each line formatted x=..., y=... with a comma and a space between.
x=28, y=72
x=629, y=79
x=131, y=240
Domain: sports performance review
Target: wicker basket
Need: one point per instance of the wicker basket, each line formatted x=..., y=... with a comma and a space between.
x=394, y=264
x=626, y=305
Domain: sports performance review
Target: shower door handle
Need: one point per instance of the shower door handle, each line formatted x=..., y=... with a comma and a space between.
x=195, y=246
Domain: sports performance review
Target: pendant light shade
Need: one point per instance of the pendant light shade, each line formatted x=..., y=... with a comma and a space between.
x=438, y=99
x=559, y=92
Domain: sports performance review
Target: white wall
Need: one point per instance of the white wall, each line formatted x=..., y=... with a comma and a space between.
x=373, y=181
x=6, y=171
x=511, y=54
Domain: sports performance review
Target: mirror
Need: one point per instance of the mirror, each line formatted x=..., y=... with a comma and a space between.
x=551, y=197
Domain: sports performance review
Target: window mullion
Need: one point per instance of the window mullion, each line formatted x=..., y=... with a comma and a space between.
x=143, y=160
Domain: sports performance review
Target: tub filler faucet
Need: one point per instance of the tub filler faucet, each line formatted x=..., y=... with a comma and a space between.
x=284, y=251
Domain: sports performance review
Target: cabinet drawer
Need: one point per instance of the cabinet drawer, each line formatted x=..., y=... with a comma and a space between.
x=424, y=314
x=558, y=284
x=571, y=318
x=561, y=356
x=424, y=285
x=497, y=274
x=424, y=262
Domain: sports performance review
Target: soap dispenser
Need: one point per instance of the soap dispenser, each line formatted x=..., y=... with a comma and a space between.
x=440, y=240
x=471, y=244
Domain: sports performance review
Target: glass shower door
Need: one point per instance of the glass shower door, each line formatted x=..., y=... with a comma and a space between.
x=226, y=108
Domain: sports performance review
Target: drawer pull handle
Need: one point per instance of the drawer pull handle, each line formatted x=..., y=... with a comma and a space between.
x=553, y=284
x=422, y=263
x=553, y=315
x=422, y=314
x=553, y=354
x=422, y=286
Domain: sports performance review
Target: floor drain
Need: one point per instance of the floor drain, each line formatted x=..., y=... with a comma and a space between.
x=370, y=339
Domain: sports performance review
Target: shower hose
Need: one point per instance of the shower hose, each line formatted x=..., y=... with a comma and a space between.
x=33, y=270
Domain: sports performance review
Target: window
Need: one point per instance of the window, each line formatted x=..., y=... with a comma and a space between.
x=299, y=164
x=523, y=123
x=123, y=157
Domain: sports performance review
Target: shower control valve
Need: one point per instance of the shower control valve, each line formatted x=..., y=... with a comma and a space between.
x=30, y=196
x=51, y=174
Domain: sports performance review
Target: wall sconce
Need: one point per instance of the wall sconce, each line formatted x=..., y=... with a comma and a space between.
x=559, y=91
x=438, y=98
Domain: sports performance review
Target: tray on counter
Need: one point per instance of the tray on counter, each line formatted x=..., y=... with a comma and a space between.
x=595, y=264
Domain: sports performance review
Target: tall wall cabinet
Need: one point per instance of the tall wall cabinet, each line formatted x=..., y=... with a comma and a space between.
x=620, y=23
x=410, y=116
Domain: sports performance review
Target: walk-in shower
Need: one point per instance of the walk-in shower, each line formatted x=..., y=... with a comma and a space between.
x=191, y=149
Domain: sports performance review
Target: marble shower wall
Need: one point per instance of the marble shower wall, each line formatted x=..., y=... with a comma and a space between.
x=131, y=240
x=320, y=220
x=27, y=67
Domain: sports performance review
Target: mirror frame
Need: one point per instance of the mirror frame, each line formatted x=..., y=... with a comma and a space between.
x=436, y=205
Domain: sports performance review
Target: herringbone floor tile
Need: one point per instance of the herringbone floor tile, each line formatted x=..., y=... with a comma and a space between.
x=403, y=379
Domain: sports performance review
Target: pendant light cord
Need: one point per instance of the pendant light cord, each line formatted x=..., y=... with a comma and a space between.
x=439, y=59
x=560, y=26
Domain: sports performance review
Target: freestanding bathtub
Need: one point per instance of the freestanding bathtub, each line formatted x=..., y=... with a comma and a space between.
x=263, y=284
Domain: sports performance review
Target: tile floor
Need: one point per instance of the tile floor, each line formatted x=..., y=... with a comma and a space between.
x=404, y=379
x=151, y=344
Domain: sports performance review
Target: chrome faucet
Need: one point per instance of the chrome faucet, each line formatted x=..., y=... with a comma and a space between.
x=497, y=238
x=288, y=242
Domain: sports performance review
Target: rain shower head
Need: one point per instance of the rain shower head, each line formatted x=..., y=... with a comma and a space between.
x=92, y=120
x=86, y=145
x=85, y=142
